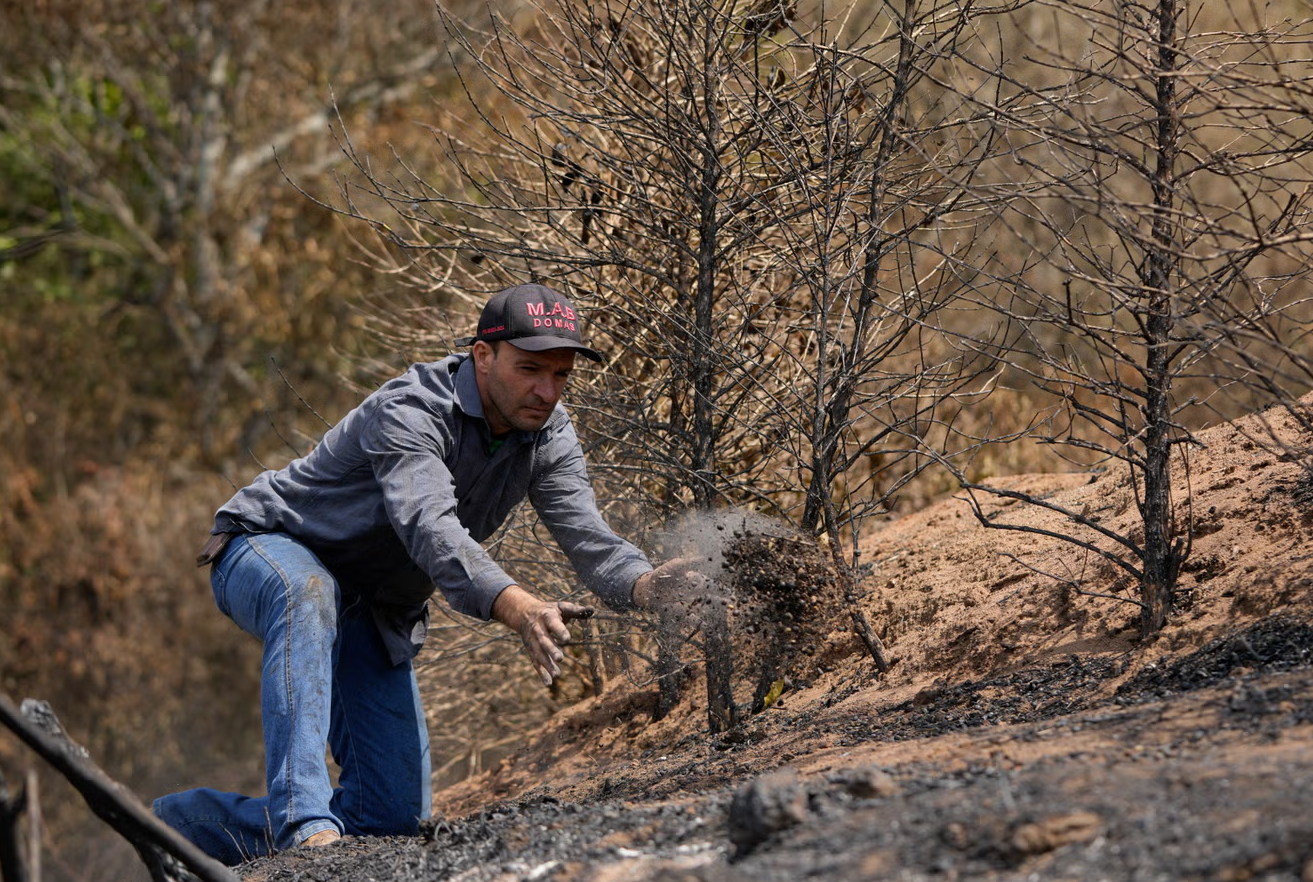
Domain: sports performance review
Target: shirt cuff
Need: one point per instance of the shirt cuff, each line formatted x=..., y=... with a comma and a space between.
x=618, y=592
x=486, y=589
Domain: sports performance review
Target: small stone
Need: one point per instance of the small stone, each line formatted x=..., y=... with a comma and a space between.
x=955, y=836
x=870, y=783
x=1055, y=832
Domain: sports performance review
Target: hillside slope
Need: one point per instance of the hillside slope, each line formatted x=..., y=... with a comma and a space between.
x=1023, y=731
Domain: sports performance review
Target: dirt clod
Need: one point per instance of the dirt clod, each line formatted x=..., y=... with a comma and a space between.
x=765, y=806
x=1054, y=832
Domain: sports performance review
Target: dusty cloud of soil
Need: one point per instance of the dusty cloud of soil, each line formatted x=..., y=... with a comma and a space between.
x=1023, y=731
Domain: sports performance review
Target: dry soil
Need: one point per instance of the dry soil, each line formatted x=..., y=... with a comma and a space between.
x=1023, y=730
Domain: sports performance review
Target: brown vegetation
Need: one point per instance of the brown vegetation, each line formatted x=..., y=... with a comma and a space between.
x=812, y=255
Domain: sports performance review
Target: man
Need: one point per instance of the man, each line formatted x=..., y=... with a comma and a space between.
x=331, y=560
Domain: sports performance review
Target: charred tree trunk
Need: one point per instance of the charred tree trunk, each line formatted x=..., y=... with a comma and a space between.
x=1158, y=584
x=1161, y=556
x=722, y=715
x=704, y=347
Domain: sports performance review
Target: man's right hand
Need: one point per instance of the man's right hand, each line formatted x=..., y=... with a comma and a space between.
x=676, y=591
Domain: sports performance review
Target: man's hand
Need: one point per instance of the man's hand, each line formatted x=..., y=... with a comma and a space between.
x=541, y=625
x=676, y=590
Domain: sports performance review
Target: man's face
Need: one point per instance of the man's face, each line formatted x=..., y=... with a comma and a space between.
x=519, y=389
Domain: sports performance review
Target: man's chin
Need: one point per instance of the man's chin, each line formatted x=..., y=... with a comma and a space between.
x=532, y=423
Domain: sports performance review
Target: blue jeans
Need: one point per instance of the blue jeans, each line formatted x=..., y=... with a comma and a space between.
x=326, y=680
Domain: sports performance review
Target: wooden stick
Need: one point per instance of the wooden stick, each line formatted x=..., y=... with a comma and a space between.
x=165, y=852
x=32, y=797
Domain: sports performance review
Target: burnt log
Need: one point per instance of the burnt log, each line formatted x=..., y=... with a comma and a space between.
x=167, y=854
x=12, y=867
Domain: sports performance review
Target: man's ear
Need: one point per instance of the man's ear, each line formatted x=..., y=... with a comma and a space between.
x=484, y=352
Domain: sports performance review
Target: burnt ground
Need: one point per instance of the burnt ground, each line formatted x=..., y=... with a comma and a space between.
x=1028, y=775
x=1024, y=730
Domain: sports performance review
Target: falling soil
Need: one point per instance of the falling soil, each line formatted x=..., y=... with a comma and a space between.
x=1024, y=731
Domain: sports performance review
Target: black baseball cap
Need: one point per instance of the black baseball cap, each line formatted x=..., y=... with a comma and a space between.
x=533, y=318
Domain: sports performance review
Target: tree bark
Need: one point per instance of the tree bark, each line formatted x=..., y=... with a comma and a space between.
x=1158, y=588
x=12, y=868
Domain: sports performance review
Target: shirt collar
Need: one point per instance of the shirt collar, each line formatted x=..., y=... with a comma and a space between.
x=467, y=389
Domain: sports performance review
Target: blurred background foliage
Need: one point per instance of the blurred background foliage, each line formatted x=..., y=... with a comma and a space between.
x=222, y=222
x=169, y=298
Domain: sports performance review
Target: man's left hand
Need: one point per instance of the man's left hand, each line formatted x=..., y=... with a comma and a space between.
x=541, y=625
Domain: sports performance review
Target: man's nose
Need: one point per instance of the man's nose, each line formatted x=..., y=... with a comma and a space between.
x=547, y=389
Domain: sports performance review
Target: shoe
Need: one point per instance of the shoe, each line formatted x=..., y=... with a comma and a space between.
x=323, y=837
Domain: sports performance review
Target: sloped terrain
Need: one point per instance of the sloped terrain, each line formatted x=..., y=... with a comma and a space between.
x=1023, y=730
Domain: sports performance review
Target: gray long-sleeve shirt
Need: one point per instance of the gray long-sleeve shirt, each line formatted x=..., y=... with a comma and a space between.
x=398, y=495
